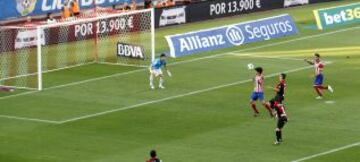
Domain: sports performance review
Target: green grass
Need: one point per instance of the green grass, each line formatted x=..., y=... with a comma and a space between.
x=203, y=114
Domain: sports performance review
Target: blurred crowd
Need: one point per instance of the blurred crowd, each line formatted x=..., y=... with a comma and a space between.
x=71, y=9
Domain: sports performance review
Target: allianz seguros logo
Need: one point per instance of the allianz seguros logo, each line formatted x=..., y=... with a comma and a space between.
x=235, y=35
x=25, y=7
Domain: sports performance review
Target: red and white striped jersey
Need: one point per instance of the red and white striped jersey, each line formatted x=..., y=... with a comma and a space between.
x=319, y=66
x=259, y=83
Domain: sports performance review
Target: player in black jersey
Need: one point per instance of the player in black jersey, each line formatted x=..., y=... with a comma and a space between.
x=280, y=114
x=280, y=89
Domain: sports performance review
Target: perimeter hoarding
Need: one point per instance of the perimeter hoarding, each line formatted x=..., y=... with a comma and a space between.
x=231, y=35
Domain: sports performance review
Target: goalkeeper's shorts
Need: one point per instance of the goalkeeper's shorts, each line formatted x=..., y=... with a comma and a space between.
x=156, y=72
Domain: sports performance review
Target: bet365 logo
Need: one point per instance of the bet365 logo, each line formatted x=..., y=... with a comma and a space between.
x=235, y=35
x=25, y=7
x=342, y=16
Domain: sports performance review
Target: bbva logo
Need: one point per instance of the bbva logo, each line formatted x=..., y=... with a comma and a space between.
x=235, y=35
x=131, y=51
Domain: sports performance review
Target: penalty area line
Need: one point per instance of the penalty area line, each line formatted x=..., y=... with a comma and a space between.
x=327, y=152
x=178, y=96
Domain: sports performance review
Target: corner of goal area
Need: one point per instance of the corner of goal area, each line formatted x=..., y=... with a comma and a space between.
x=28, y=119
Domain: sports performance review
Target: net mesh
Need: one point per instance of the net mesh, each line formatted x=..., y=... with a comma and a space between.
x=18, y=58
x=108, y=38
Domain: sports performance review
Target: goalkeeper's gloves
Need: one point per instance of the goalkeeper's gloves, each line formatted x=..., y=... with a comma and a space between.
x=168, y=72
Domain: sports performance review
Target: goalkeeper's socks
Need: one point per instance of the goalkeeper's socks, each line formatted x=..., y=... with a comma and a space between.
x=152, y=82
x=161, y=82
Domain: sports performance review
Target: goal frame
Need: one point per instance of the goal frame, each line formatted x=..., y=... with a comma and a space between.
x=40, y=28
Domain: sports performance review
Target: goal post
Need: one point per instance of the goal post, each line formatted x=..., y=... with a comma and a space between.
x=113, y=38
x=39, y=59
x=18, y=61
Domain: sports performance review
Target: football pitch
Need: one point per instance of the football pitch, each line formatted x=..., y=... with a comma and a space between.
x=108, y=113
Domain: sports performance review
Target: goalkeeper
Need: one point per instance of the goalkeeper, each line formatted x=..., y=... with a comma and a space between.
x=155, y=71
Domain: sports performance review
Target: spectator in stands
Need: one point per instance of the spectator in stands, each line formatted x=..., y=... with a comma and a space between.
x=153, y=157
x=133, y=5
x=186, y=2
x=170, y=3
x=147, y=3
x=126, y=7
x=114, y=7
x=75, y=8
x=65, y=12
x=161, y=4
x=50, y=18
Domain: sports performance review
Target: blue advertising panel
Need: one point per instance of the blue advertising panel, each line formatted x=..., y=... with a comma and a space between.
x=231, y=35
x=11, y=9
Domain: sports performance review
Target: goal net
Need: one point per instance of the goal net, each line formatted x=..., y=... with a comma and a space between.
x=28, y=52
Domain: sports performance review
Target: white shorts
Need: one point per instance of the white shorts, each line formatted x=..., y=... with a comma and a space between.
x=156, y=72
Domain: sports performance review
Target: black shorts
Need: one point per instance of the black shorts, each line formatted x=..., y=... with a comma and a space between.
x=278, y=98
x=281, y=122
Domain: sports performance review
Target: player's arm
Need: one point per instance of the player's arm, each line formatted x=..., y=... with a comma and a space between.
x=276, y=89
x=279, y=87
x=167, y=70
x=309, y=62
x=274, y=112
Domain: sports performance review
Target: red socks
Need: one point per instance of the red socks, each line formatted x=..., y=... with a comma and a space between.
x=267, y=106
x=319, y=89
x=254, y=108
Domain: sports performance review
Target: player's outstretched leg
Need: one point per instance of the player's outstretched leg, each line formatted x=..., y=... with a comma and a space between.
x=318, y=90
x=268, y=108
x=328, y=87
x=253, y=106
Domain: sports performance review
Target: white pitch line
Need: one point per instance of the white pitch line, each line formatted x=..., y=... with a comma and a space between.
x=128, y=107
x=177, y=96
x=30, y=119
x=185, y=61
x=266, y=45
x=267, y=57
x=327, y=152
x=73, y=83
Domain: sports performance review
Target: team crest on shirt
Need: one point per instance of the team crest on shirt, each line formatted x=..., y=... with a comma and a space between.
x=25, y=7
